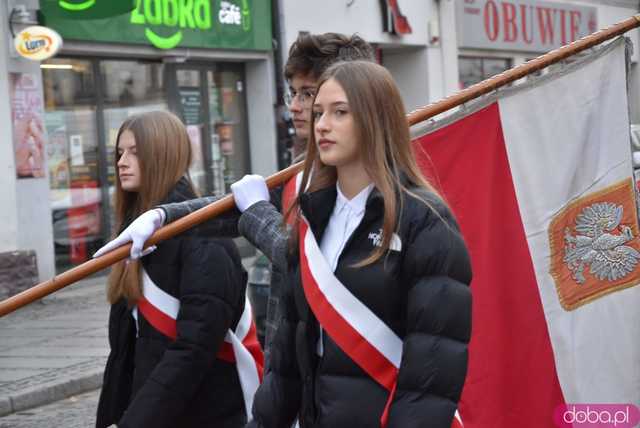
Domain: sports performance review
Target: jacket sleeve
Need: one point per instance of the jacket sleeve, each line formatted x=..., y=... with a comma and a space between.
x=262, y=225
x=437, y=270
x=224, y=225
x=118, y=373
x=210, y=287
x=277, y=401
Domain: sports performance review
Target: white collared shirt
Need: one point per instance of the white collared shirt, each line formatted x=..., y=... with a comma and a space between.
x=345, y=218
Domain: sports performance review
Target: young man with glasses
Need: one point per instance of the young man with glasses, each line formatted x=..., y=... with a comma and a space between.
x=261, y=222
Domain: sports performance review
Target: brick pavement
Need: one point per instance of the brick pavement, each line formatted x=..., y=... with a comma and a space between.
x=78, y=411
x=54, y=348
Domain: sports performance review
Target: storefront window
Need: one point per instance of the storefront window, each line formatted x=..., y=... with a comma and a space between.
x=227, y=115
x=193, y=115
x=210, y=100
x=128, y=88
x=476, y=69
x=73, y=160
x=87, y=100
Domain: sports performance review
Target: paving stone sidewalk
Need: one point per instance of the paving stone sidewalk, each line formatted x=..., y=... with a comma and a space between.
x=54, y=348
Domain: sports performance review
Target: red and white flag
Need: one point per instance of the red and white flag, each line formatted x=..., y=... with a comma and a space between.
x=541, y=182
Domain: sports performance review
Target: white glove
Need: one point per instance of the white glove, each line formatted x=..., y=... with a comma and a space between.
x=249, y=190
x=138, y=232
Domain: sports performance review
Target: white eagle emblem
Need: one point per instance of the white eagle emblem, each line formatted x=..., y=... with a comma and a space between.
x=596, y=245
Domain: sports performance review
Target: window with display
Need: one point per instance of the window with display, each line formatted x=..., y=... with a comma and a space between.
x=86, y=101
x=476, y=69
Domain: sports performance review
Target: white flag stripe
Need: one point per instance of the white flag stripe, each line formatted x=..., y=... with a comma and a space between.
x=574, y=141
x=359, y=316
x=159, y=298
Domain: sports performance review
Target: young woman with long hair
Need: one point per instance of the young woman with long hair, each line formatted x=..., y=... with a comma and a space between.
x=377, y=308
x=169, y=364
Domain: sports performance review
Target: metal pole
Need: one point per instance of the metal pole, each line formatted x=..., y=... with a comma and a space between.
x=66, y=278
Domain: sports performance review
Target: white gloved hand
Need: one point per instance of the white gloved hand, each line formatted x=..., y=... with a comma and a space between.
x=249, y=190
x=138, y=232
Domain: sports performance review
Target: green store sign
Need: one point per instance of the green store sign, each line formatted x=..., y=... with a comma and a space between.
x=166, y=24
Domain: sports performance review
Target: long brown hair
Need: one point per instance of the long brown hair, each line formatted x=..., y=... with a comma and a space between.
x=164, y=154
x=384, y=139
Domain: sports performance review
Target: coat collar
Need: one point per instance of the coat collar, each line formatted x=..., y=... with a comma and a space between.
x=182, y=191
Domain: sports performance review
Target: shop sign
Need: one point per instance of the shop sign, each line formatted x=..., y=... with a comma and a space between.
x=87, y=9
x=37, y=43
x=522, y=25
x=168, y=24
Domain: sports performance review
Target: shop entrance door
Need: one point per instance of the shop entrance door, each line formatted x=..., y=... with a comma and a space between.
x=210, y=99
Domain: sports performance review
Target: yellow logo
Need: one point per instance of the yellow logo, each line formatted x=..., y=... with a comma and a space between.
x=37, y=43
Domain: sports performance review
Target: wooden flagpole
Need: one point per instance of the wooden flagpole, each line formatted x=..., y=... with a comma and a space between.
x=226, y=203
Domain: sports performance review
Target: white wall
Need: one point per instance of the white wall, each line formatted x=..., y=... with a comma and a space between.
x=26, y=212
x=414, y=63
x=363, y=17
x=609, y=15
x=410, y=69
x=448, y=47
x=9, y=212
x=262, y=128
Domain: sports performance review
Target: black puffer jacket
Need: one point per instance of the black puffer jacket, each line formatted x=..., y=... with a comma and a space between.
x=421, y=292
x=155, y=382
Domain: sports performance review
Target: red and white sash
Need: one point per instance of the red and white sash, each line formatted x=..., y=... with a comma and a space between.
x=289, y=194
x=241, y=347
x=364, y=337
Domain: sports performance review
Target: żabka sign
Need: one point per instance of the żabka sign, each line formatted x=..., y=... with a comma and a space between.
x=165, y=24
x=522, y=25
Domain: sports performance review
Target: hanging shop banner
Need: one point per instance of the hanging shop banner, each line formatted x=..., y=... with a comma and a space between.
x=87, y=9
x=522, y=25
x=168, y=24
x=37, y=43
x=29, y=136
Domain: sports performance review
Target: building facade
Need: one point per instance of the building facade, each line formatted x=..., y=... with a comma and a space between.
x=455, y=43
x=208, y=61
x=494, y=35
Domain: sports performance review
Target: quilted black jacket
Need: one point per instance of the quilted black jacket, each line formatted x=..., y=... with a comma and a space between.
x=421, y=292
x=152, y=381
